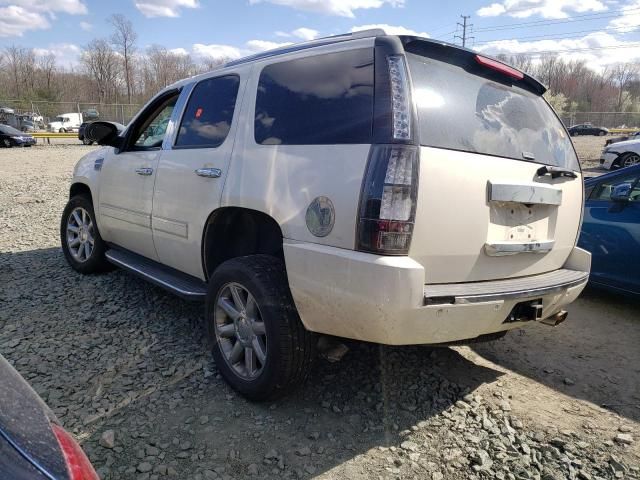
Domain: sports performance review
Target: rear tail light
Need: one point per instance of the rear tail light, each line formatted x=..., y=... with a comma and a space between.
x=388, y=200
x=77, y=462
x=400, y=97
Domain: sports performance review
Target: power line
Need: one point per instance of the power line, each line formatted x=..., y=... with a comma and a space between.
x=573, y=50
x=573, y=19
x=464, y=37
x=560, y=36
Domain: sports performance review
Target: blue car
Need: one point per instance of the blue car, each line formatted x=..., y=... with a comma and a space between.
x=611, y=229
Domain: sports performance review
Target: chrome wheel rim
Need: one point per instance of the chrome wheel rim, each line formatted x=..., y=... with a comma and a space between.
x=80, y=234
x=631, y=160
x=240, y=331
x=7, y=142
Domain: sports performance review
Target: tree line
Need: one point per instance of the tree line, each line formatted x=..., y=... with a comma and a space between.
x=116, y=70
x=110, y=70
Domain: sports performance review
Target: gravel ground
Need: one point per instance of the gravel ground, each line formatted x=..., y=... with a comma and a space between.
x=125, y=367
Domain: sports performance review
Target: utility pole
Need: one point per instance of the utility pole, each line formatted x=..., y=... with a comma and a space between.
x=464, y=26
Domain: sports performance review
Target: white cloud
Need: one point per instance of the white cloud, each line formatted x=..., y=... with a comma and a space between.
x=67, y=54
x=263, y=45
x=592, y=48
x=391, y=29
x=229, y=52
x=216, y=52
x=630, y=20
x=305, y=33
x=164, y=8
x=544, y=8
x=20, y=16
x=72, y=7
x=86, y=26
x=179, y=51
x=342, y=8
x=15, y=21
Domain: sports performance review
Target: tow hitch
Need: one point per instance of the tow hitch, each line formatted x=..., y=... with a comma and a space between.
x=525, y=312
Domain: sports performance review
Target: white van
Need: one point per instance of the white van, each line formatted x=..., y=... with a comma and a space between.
x=391, y=189
x=67, y=122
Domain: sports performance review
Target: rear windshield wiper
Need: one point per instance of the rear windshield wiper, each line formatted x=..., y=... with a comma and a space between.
x=556, y=172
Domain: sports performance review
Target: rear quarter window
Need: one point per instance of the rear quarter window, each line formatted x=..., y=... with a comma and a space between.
x=322, y=99
x=462, y=111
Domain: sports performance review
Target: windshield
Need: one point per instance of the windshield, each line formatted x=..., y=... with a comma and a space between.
x=9, y=130
x=459, y=110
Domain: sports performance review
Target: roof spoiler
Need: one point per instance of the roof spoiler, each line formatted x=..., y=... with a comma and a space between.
x=530, y=82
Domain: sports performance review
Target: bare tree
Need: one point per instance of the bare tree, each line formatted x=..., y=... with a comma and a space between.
x=47, y=68
x=13, y=56
x=622, y=75
x=124, y=39
x=164, y=67
x=101, y=63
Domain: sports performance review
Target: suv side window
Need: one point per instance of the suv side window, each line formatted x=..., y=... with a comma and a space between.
x=207, y=118
x=323, y=99
x=603, y=190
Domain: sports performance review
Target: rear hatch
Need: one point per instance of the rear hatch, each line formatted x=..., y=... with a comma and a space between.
x=487, y=208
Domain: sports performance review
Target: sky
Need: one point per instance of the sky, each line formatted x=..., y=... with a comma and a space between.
x=601, y=32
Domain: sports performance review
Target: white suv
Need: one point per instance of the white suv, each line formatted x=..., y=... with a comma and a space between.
x=390, y=189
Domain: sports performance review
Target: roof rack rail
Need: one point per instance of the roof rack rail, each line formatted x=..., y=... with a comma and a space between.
x=318, y=42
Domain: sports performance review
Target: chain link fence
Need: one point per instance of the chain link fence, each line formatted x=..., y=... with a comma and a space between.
x=603, y=119
x=112, y=112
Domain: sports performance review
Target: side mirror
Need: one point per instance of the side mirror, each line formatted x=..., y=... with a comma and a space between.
x=621, y=193
x=105, y=133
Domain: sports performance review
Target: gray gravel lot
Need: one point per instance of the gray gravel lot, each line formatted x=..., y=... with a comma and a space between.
x=125, y=367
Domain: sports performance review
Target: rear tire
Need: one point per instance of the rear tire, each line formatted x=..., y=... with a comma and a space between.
x=86, y=141
x=62, y=130
x=78, y=228
x=249, y=308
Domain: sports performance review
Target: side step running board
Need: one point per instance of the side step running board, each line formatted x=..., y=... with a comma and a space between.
x=181, y=284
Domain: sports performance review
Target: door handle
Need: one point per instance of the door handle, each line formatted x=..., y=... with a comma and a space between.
x=144, y=171
x=209, y=172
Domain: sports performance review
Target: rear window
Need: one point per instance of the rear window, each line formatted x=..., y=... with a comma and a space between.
x=323, y=99
x=461, y=111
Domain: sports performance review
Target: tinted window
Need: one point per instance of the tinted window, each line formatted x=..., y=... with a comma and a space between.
x=207, y=118
x=324, y=99
x=462, y=111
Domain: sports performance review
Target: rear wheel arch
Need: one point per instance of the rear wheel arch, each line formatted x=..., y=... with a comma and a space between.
x=232, y=232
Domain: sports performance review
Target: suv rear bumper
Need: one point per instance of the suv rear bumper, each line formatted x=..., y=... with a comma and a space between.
x=384, y=300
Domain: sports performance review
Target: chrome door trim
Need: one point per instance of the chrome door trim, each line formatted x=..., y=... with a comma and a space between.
x=523, y=192
x=174, y=122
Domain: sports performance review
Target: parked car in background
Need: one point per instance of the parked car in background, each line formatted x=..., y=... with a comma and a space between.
x=631, y=136
x=27, y=126
x=33, y=444
x=621, y=154
x=611, y=229
x=11, y=137
x=65, y=123
x=587, y=129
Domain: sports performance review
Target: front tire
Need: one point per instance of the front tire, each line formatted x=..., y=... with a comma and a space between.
x=6, y=143
x=258, y=342
x=86, y=141
x=629, y=159
x=602, y=133
x=82, y=244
